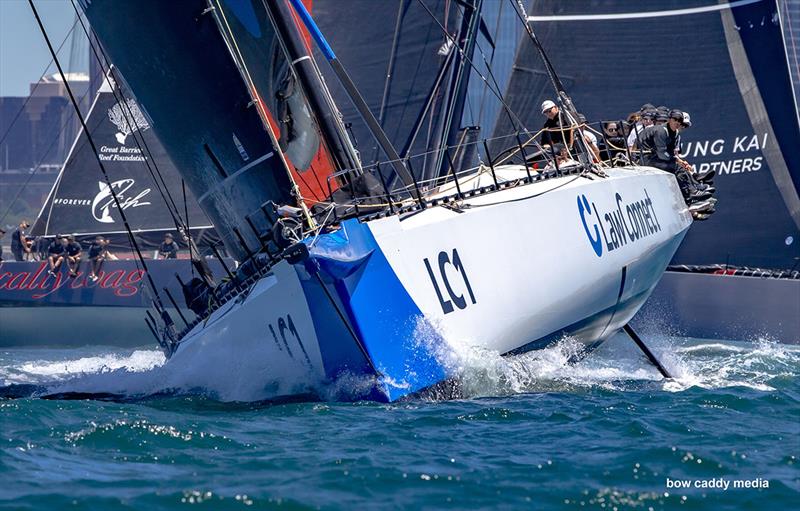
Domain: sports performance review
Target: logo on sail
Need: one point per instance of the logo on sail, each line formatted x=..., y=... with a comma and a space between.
x=104, y=201
x=127, y=119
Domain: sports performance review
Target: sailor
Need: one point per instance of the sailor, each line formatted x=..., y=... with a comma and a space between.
x=19, y=242
x=613, y=141
x=661, y=143
x=556, y=128
x=55, y=254
x=562, y=157
x=168, y=249
x=646, y=117
x=702, y=184
x=97, y=256
x=73, y=256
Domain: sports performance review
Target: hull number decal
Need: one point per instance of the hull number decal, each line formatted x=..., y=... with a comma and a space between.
x=443, y=261
x=287, y=325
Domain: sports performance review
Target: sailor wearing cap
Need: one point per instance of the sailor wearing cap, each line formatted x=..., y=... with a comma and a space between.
x=556, y=128
x=55, y=254
x=660, y=141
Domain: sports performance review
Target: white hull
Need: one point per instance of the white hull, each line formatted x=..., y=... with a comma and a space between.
x=510, y=271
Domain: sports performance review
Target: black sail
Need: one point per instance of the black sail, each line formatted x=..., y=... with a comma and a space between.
x=292, y=104
x=175, y=59
x=726, y=65
x=395, y=50
x=394, y=38
x=80, y=201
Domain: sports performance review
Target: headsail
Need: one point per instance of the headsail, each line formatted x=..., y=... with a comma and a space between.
x=289, y=106
x=176, y=60
x=618, y=55
x=80, y=201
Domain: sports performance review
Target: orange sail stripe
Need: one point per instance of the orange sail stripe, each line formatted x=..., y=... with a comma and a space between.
x=313, y=181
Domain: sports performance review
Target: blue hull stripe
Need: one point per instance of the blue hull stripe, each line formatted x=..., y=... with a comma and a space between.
x=380, y=310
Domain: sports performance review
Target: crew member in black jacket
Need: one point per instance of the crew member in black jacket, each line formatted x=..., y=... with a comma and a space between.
x=557, y=128
x=660, y=141
x=661, y=145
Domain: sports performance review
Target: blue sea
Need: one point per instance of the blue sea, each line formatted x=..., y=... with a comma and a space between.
x=532, y=432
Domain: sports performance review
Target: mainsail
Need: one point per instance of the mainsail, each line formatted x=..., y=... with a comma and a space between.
x=80, y=201
x=403, y=60
x=725, y=64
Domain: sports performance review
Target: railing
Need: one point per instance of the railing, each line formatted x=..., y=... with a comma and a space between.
x=396, y=198
x=387, y=196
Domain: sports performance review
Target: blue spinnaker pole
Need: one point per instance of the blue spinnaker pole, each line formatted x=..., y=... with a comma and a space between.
x=355, y=96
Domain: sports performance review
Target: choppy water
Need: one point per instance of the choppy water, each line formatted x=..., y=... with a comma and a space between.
x=529, y=433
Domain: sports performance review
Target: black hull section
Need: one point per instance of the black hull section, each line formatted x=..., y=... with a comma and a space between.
x=37, y=309
x=723, y=307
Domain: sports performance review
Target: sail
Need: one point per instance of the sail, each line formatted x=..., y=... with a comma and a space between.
x=175, y=59
x=80, y=201
x=725, y=64
x=251, y=27
x=404, y=65
x=393, y=51
x=790, y=22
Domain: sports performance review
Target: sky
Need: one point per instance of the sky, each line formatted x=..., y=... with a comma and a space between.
x=23, y=52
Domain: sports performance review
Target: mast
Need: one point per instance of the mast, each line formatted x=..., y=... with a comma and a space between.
x=470, y=24
x=316, y=92
x=361, y=105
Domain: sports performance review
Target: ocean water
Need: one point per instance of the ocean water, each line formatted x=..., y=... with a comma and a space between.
x=526, y=433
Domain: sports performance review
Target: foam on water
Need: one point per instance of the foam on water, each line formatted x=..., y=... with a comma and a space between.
x=478, y=372
x=616, y=364
x=42, y=371
x=753, y=364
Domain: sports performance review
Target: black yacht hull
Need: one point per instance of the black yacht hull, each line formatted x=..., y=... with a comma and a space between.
x=711, y=306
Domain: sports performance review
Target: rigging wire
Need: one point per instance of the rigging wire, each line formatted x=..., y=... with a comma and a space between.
x=392, y=56
x=460, y=83
x=490, y=63
x=138, y=136
x=156, y=298
x=497, y=94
